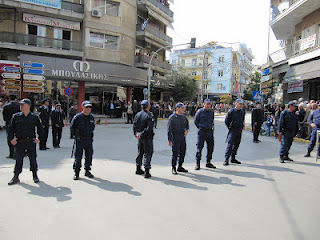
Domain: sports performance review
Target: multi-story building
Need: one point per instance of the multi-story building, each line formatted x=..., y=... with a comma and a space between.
x=296, y=67
x=99, y=48
x=224, y=68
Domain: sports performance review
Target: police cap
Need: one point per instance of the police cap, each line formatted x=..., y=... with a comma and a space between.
x=145, y=103
x=25, y=101
x=239, y=100
x=86, y=104
x=207, y=101
x=292, y=103
x=179, y=105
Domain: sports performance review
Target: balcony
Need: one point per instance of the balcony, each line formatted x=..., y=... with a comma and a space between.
x=72, y=7
x=158, y=7
x=303, y=49
x=143, y=62
x=283, y=23
x=34, y=43
x=153, y=36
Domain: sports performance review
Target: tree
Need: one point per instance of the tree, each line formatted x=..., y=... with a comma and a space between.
x=185, y=88
x=226, y=99
x=254, y=85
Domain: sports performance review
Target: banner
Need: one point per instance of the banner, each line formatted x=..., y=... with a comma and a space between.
x=308, y=42
x=295, y=86
x=45, y=3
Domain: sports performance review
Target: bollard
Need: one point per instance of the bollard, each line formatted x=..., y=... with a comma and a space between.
x=106, y=123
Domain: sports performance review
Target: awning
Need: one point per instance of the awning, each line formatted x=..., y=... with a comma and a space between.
x=157, y=16
x=279, y=69
x=303, y=71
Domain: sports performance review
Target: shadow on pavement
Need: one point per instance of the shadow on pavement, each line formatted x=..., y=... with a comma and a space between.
x=111, y=186
x=212, y=180
x=272, y=168
x=307, y=164
x=179, y=183
x=45, y=190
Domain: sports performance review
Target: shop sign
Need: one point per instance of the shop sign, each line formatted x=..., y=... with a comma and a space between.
x=45, y=3
x=308, y=42
x=295, y=86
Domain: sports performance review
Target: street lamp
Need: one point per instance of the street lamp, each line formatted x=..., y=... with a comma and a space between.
x=149, y=69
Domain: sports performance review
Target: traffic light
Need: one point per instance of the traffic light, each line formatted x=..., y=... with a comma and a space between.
x=193, y=42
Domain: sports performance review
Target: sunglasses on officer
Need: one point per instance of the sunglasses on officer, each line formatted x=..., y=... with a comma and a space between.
x=88, y=107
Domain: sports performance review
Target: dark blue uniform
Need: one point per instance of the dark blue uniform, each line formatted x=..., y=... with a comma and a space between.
x=143, y=123
x=288, y=126
x=256, y=117
x=234, y=121
x=44, y=114
x=314, y=118
x=57, y=118
x=8, y=110
x=204, y=121
x=82, y=128
x=23, y=128
x=176, y=128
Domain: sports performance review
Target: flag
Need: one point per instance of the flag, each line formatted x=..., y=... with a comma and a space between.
x=144, y=24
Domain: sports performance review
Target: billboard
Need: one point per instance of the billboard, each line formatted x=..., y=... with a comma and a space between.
x=45, y=3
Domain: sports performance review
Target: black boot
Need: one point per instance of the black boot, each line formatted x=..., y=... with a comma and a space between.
x=14, y=180
x=147, y=173
x=209, y=164
x=226, y=162
x=139, y=171
x=182, y=169
x=197, y=167
x=308, y=154
x=281, y=160
x=174, y=171
x=234, y=160
x=286, y=158
x=35, y=177
x=89, y=174
x=76, y=175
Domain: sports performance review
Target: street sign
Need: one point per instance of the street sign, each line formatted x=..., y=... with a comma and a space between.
x=10, y=69
x=33, y=89
x=256, y=95
x=11, y=88
x=11, y=75
x=11, y=82
x=33, y=83
x=33, y=65
x=68, y=91
x=33, y=71
x=33, y=77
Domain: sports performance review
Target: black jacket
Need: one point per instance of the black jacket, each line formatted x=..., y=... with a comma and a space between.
x=57, y=118
x=143, y=124
x=44, y=114
x=10, y=109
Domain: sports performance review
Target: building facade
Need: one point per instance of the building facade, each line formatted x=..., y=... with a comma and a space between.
x=296, y=66
x=224, y=68
x=88, y=46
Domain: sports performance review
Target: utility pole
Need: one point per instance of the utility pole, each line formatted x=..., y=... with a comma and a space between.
x=202, y=77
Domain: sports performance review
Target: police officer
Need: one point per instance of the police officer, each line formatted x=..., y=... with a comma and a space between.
x=287, y=128
x=82, y=127
x=143, y=130
x=235, y=122
x=8, y=110
x=314, y=120
x=256, y=121
x=204, y=121
x=178, y=128
x=44, y=114
x=57, y=117
x=22, y=135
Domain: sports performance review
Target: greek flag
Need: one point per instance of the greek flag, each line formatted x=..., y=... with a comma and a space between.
x=144, y=24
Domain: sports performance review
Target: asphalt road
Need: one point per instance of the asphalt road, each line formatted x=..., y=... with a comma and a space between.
x=259, y=199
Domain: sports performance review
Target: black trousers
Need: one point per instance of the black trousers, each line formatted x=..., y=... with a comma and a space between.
x=179, y=147
x=145, y=149
x=22, y=149
x=56, y=136
x=256, y=131
x=43, y=141
x=11, y=148
x=129, y=117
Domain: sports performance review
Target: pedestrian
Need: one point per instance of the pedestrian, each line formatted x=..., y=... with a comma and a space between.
x=82, y=127
x=44, y=114
x=111, y=110
x=57, y=118
x=305, y=123
x=314, y=121
x=129, y=112
x=287, y=129
x=2, y=122
x=269, y=124
x=143, y=130
x=135, y=108
x=256, y=121
x=155, y=111
x=22, y=135
x=301, y=113
x=8, y=111
x=235, y=123
x=178, y=129
x=204, y=121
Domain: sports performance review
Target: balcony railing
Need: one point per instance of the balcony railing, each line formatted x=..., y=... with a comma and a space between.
x=73, y=7
x=162, y=6
x=276, y=12
x=296, y=49
x=155, y=62
x=155, y=32
x=33, y=40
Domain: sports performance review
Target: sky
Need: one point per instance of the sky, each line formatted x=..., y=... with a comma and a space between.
x=245, y=21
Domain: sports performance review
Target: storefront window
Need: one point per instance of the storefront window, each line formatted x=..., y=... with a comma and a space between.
x=103, y=41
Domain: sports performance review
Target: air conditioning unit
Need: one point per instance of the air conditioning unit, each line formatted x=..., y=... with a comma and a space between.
x=96, y=13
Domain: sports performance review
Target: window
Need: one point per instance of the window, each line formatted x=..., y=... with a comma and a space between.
x=221, y=59
x=205, y=75
x=194, y=62
x=59, y=33
x=105, y=41
x=37, y=30
x=206, y=61
x=219, y=86
x=106, y=7
x=174, y=62
x=220, y=73
x=194, y=73
x=183, y=62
